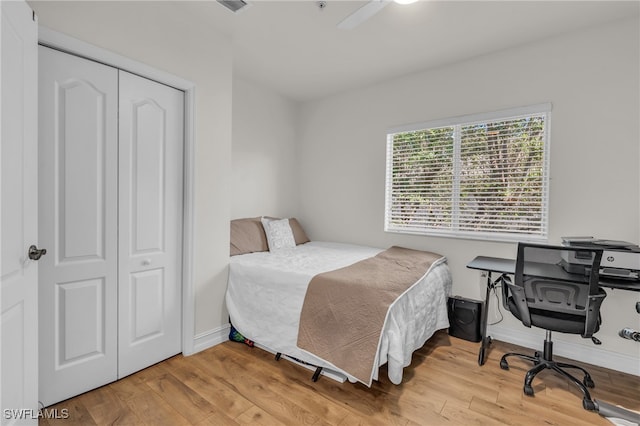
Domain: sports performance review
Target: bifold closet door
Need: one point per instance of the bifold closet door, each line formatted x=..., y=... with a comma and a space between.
x=150, y=222
x=78, y=199
x=110, y=217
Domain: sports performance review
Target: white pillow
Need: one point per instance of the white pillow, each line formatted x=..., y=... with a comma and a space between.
x=279, y=233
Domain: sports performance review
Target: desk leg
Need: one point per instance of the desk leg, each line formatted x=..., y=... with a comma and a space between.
x=486, y=340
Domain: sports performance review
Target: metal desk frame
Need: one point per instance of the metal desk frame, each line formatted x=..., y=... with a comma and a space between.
x=503, y=267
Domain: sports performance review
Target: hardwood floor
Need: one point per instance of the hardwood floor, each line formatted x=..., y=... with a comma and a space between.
x=232, y=384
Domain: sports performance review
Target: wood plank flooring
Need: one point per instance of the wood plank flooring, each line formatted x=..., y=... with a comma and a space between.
x=232, y=384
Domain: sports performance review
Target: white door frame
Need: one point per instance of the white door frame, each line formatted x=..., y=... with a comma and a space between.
x=56, y=40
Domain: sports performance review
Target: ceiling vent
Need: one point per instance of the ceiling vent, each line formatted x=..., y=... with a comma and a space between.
x=234, y=5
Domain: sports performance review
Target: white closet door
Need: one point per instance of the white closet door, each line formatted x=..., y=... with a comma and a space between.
x=19, y=220
x=78, y=225
x=150, y=222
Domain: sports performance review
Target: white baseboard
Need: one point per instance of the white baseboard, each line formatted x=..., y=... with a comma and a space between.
x=591, y=355
x=210, y=338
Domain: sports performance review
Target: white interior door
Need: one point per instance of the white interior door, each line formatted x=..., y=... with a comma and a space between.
x=78, y=225
x=150, y=222
x=19, y=225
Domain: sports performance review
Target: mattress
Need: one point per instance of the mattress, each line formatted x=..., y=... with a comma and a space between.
x=266, y=291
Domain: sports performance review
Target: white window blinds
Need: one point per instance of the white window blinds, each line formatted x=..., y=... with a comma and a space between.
x=482, y=176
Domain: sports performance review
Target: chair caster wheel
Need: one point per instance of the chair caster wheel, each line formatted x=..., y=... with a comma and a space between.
x=588, y=382
x=504, y=364
x=528, y=390
x=588, y=404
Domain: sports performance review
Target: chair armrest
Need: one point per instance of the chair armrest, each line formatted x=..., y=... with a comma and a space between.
x=592, y=320
x=519, y=299
x=505, y=281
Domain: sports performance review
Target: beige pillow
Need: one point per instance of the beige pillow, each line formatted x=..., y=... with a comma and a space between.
x=247, y=236
x=298, y=233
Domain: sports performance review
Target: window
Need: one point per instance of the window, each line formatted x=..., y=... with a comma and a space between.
x=481, y=176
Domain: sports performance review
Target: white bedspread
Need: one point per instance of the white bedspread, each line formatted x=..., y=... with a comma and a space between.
x=266, y=291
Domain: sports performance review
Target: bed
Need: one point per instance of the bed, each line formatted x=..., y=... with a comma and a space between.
x=267, y=288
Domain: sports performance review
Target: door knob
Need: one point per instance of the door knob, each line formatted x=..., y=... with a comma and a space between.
x=35, y=253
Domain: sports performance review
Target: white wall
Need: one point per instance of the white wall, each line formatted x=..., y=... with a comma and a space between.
x=164, y=35
x=332, y=153
x=591, y=78
x=263, y=166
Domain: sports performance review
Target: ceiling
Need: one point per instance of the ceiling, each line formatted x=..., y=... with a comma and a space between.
x=295, y=48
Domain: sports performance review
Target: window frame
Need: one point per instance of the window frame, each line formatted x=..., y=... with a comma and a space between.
x=463, y=120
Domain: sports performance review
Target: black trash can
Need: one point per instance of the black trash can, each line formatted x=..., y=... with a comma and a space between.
x=464, y=318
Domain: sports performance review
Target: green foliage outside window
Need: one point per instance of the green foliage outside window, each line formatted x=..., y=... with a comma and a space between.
x=484, y=177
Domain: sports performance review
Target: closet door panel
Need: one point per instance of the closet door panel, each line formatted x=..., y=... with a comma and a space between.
x=81, y=320
x=79, y=161
x=147, y=301
x=150, y=222
x=148, y=151
x=78, y=224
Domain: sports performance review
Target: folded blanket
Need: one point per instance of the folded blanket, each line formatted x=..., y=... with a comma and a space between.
x=344, y=310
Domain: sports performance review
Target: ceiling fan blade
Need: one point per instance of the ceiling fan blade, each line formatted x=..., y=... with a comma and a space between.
x=362, y=14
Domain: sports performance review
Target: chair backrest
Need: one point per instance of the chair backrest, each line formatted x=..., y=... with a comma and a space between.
x=556, y=288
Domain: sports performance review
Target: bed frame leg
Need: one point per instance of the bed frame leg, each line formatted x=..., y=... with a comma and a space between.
x=316, y=374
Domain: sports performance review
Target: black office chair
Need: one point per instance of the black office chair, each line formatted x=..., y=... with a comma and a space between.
x=556, y=288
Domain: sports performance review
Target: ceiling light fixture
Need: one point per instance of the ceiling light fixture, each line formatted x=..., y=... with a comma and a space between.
x=365, y=12
x=234, y=5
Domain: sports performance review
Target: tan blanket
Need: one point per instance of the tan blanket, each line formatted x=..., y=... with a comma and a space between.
x=344, y=310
